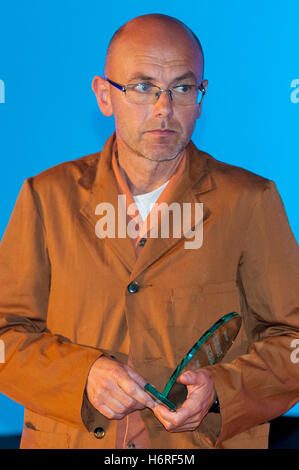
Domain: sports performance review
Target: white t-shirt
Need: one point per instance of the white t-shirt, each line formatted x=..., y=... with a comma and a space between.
x=146, y=201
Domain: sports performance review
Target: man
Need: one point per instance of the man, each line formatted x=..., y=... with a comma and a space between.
x=88, y=320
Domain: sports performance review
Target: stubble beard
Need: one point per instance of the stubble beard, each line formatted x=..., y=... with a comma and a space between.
x=143, y=153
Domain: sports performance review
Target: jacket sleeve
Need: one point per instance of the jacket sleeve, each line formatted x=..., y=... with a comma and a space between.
x=263, y=384
x=43, y=371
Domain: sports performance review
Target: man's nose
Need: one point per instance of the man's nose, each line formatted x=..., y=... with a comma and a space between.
x=164, y=104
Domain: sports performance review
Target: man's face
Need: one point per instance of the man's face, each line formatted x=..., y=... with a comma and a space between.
x=161, y=129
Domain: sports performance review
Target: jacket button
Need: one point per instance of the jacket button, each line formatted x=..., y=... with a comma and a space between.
x=131, y=445
x=133, y=287
x=99, y=433
x=142, y=241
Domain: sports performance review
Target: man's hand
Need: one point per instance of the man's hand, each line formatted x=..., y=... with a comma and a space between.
x=201, y=395
x=115, y=389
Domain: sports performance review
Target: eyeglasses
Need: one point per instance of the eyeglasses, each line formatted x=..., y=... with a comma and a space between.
x=147, y=93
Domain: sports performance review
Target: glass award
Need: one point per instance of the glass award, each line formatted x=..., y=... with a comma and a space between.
x=208, y=350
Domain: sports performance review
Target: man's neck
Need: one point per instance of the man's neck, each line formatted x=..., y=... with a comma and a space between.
x=143, y=175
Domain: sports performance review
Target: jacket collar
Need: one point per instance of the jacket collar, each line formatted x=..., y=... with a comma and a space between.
x=99, y=181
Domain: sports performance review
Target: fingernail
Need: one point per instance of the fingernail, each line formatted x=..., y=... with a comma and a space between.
x=187, y=375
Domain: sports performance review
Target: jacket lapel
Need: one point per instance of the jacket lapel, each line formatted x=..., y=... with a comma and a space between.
x=196, y=180
x=100, y=183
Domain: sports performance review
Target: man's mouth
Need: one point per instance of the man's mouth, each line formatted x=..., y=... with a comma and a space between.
x=161, y=132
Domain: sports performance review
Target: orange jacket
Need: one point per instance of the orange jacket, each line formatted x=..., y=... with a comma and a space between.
x=64, y=299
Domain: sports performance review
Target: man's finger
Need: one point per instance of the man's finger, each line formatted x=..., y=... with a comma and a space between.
x=190, y=377
x=174, y=424
x=118, y=401
x=136, y=377
x=108, y=412
x=134, y=390
x=178, y=417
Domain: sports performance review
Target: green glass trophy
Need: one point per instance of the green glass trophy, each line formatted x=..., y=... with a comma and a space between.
x=208, y=350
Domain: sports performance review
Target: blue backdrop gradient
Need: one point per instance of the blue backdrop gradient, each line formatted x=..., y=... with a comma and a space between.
x=50, y=51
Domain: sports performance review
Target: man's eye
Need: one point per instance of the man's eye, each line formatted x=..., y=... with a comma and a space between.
x=143, y=87
x=183, y=88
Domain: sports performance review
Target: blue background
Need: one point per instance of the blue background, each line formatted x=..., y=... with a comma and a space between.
x=50, y=51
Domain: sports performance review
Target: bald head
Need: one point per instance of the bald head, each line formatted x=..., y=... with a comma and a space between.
x=152, y=28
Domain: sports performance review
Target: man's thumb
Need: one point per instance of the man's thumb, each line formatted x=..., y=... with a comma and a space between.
x=187, y=378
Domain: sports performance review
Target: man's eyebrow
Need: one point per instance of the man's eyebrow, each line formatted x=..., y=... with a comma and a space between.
x=142, y=76
x=184, y=77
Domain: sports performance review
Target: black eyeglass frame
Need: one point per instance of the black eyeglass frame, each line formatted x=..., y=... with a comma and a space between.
x=124, y=88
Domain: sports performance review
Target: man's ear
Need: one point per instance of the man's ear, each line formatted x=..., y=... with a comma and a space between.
x=205, y=84
x=101, y=89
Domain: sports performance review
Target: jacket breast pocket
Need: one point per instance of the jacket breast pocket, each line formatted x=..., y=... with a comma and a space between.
x=200, y=306
x=197, y=308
